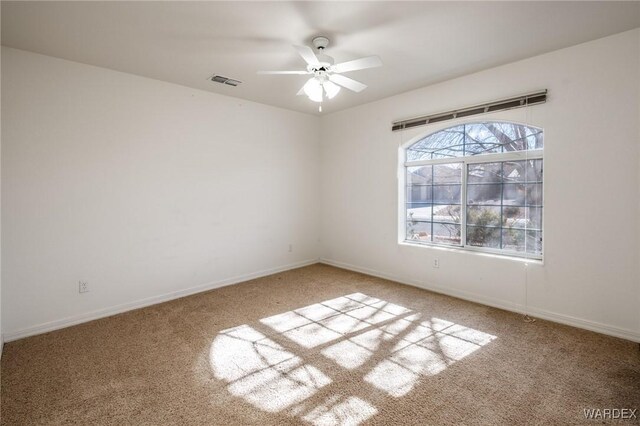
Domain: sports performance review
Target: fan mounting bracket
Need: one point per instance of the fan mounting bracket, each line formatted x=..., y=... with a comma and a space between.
x=320, y=42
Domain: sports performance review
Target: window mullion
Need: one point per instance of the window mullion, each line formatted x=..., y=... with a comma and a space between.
x=463, y=205
x=486, y=158
x=432, y=187
x=502, y=201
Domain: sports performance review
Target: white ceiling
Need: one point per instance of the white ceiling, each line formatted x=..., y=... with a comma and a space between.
x=419, y=42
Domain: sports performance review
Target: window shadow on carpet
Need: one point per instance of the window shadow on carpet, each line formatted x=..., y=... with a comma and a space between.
x=328, y=362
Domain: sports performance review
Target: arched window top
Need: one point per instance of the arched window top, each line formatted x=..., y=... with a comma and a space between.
x=476, y=139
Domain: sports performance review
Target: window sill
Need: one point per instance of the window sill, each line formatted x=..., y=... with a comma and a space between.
x=521, y=259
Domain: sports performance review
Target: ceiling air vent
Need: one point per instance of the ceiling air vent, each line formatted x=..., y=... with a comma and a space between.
x=224, y=80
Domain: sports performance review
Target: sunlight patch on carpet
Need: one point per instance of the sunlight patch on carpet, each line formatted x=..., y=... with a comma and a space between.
x=301, y=361
x=350, y=411
x=409, y=360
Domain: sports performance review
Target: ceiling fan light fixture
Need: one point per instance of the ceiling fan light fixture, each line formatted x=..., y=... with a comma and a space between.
x=327, y=78
x=313, y=89
x=331, y=89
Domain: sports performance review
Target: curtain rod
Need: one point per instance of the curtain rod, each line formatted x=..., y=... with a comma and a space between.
x=500, y=105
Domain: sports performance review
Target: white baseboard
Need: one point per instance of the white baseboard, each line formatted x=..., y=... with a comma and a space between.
x=631, y=335
x=129, y=306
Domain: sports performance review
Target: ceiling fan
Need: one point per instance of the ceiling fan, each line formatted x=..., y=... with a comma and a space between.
x=327, y=79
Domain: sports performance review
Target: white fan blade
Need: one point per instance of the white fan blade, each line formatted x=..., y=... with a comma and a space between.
x=347, y=82
x=358, y=64
x=300, y=92
x=283, y=72
x=308, y=55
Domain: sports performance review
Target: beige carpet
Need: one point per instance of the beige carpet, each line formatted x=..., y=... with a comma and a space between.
x=316, y=345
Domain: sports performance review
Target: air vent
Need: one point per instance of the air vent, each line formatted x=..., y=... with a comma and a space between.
x=224, y=80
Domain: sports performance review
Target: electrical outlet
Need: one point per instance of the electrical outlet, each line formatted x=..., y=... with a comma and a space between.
x=436, y=263
x=290, y=248
x=83, y=286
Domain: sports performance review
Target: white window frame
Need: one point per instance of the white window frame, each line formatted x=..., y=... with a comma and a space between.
x=534, y=154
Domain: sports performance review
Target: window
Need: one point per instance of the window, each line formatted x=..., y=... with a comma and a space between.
x=476, y=186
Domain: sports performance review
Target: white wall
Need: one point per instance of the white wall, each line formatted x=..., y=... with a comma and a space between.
x=591, y=271
x=1, y=335
x=142, y=188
